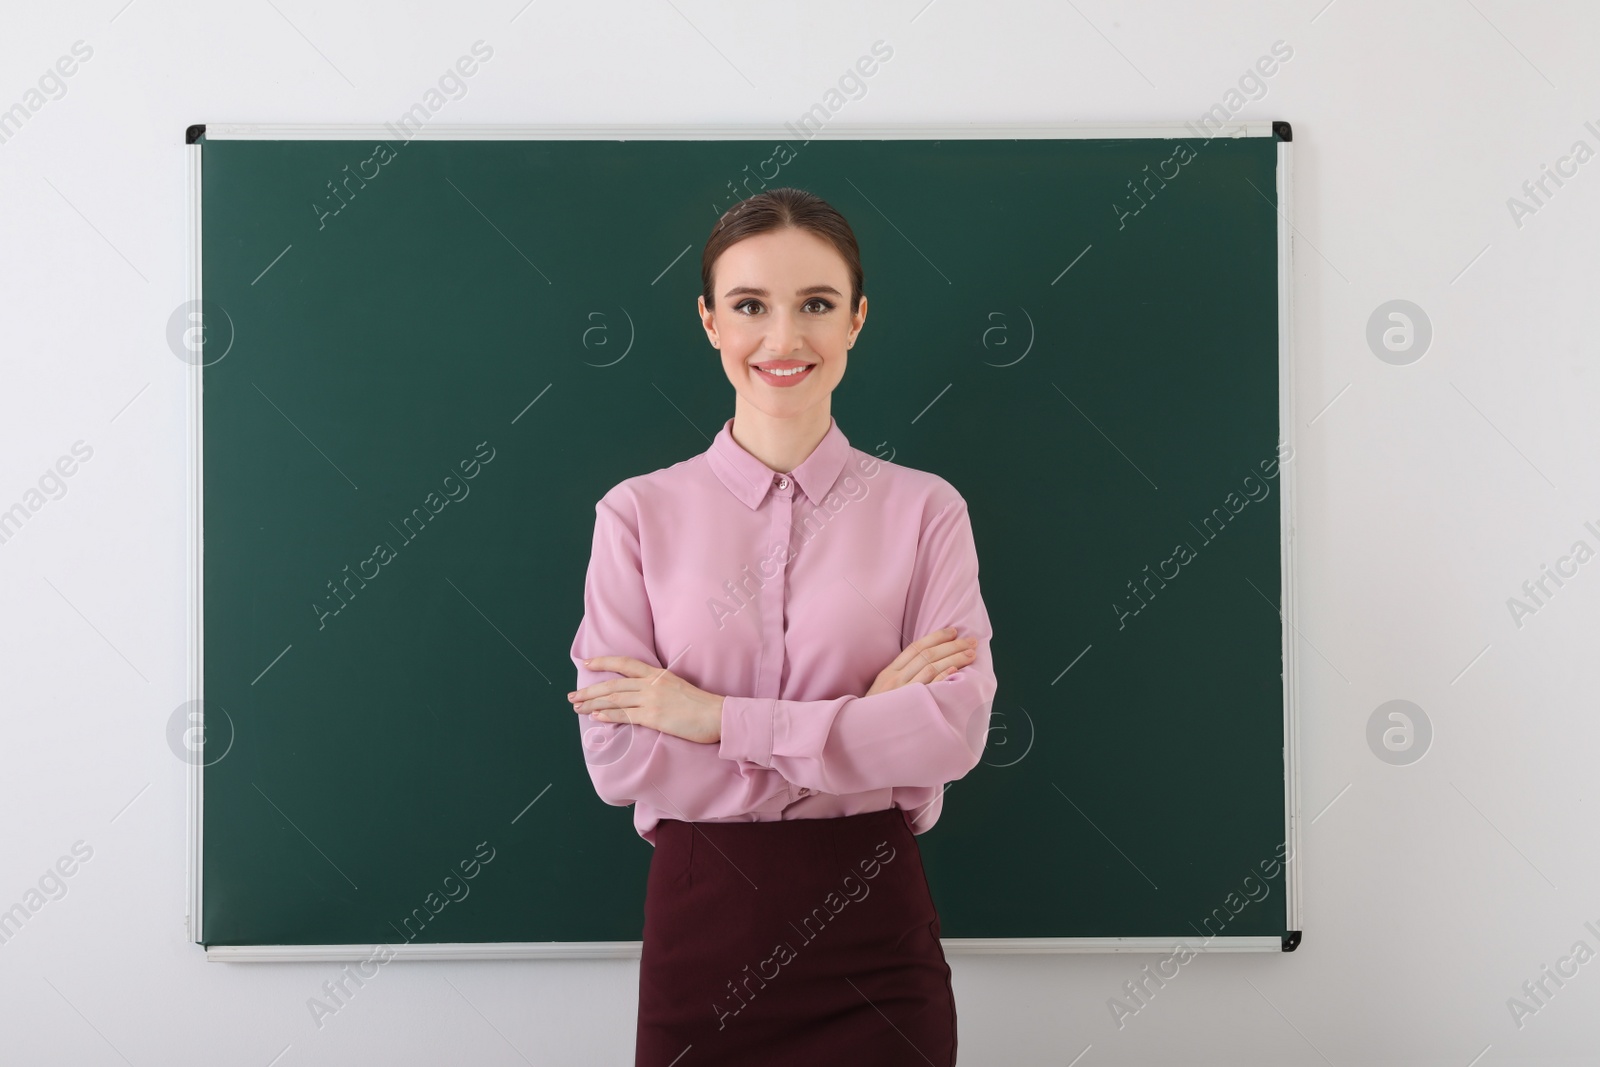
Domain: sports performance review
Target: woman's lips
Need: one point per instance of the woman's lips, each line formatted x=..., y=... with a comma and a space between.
x=784, y=381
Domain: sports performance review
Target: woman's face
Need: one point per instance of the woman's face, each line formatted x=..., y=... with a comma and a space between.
x=782, y=302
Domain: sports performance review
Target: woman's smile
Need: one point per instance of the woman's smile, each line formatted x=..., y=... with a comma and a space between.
x=782, y=373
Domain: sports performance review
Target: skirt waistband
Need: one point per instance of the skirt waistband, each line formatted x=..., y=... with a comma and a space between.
x=776, y=832
x=795, y=849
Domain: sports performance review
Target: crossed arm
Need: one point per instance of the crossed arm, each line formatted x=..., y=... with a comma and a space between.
x=650, y=735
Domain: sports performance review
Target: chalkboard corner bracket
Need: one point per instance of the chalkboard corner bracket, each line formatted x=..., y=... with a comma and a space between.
x=1282, y=130
x=1291, y=940
x=193, y=134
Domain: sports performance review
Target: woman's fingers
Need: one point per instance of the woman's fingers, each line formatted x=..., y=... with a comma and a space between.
x=946, y=649
x=615, y=685
x=925, y=650
x=945, y=665
x=959, y=652
x=589, y=692
x=930, y=658
x=606, y=696
x=619, y=707
x=926, y=657
x=913, y=652
x=636, y=672
x=633, y=668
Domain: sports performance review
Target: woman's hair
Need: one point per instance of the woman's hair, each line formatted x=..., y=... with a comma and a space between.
x=775, y=209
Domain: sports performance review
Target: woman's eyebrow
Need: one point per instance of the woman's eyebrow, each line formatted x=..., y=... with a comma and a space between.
x=750, y=290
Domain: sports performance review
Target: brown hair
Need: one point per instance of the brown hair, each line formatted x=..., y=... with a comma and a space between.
x=775, y=209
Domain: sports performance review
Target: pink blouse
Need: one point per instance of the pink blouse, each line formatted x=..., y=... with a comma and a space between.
x=787, y=594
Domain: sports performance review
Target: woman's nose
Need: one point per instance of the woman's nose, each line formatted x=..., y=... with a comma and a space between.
x=783, y=336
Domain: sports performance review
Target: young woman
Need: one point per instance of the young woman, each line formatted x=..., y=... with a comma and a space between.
x=735, y=605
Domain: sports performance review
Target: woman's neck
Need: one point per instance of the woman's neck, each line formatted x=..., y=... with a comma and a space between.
x=782, y=444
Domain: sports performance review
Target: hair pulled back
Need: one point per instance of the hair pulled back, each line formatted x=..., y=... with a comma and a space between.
x=776, y=209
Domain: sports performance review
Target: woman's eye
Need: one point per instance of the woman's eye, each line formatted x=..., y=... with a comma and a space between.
x=817, y=305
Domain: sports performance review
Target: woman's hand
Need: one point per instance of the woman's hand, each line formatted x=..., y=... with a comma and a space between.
x=929, y=659
x=650, y=696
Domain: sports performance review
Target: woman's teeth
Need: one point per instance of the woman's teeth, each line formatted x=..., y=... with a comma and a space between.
x=786, y=373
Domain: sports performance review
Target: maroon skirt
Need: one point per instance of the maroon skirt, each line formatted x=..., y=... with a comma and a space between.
x=779, y=943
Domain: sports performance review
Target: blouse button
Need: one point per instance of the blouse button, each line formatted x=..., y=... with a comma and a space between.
x=783, y=483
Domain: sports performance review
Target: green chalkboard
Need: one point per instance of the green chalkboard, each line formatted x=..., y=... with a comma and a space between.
x=452, y=348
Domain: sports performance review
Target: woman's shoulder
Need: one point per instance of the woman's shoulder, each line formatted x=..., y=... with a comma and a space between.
x=906, y=483
x=639, y=491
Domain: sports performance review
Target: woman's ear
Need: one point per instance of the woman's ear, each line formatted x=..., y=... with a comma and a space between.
x=707, y=320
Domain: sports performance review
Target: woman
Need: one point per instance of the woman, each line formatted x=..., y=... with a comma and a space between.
x=735, y=602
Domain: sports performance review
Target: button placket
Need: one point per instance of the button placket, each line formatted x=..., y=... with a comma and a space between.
x=775, y=602
x=775, y=605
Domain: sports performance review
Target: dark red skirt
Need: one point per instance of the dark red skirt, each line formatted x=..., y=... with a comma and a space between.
x=780, y=943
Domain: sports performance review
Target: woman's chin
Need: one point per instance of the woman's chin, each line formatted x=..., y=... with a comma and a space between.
x=781, y=402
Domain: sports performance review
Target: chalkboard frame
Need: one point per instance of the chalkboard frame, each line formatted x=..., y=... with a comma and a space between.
x=194, y=718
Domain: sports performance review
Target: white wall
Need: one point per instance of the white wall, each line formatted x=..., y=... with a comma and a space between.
x=1431, y=492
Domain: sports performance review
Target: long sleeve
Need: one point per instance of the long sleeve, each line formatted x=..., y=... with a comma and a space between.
x=627, y=763
x=922, y=734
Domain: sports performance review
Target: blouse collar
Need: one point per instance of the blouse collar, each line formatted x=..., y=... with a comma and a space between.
x=749, y=479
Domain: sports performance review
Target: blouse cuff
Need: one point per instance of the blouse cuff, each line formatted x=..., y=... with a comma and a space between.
x=747, y=729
